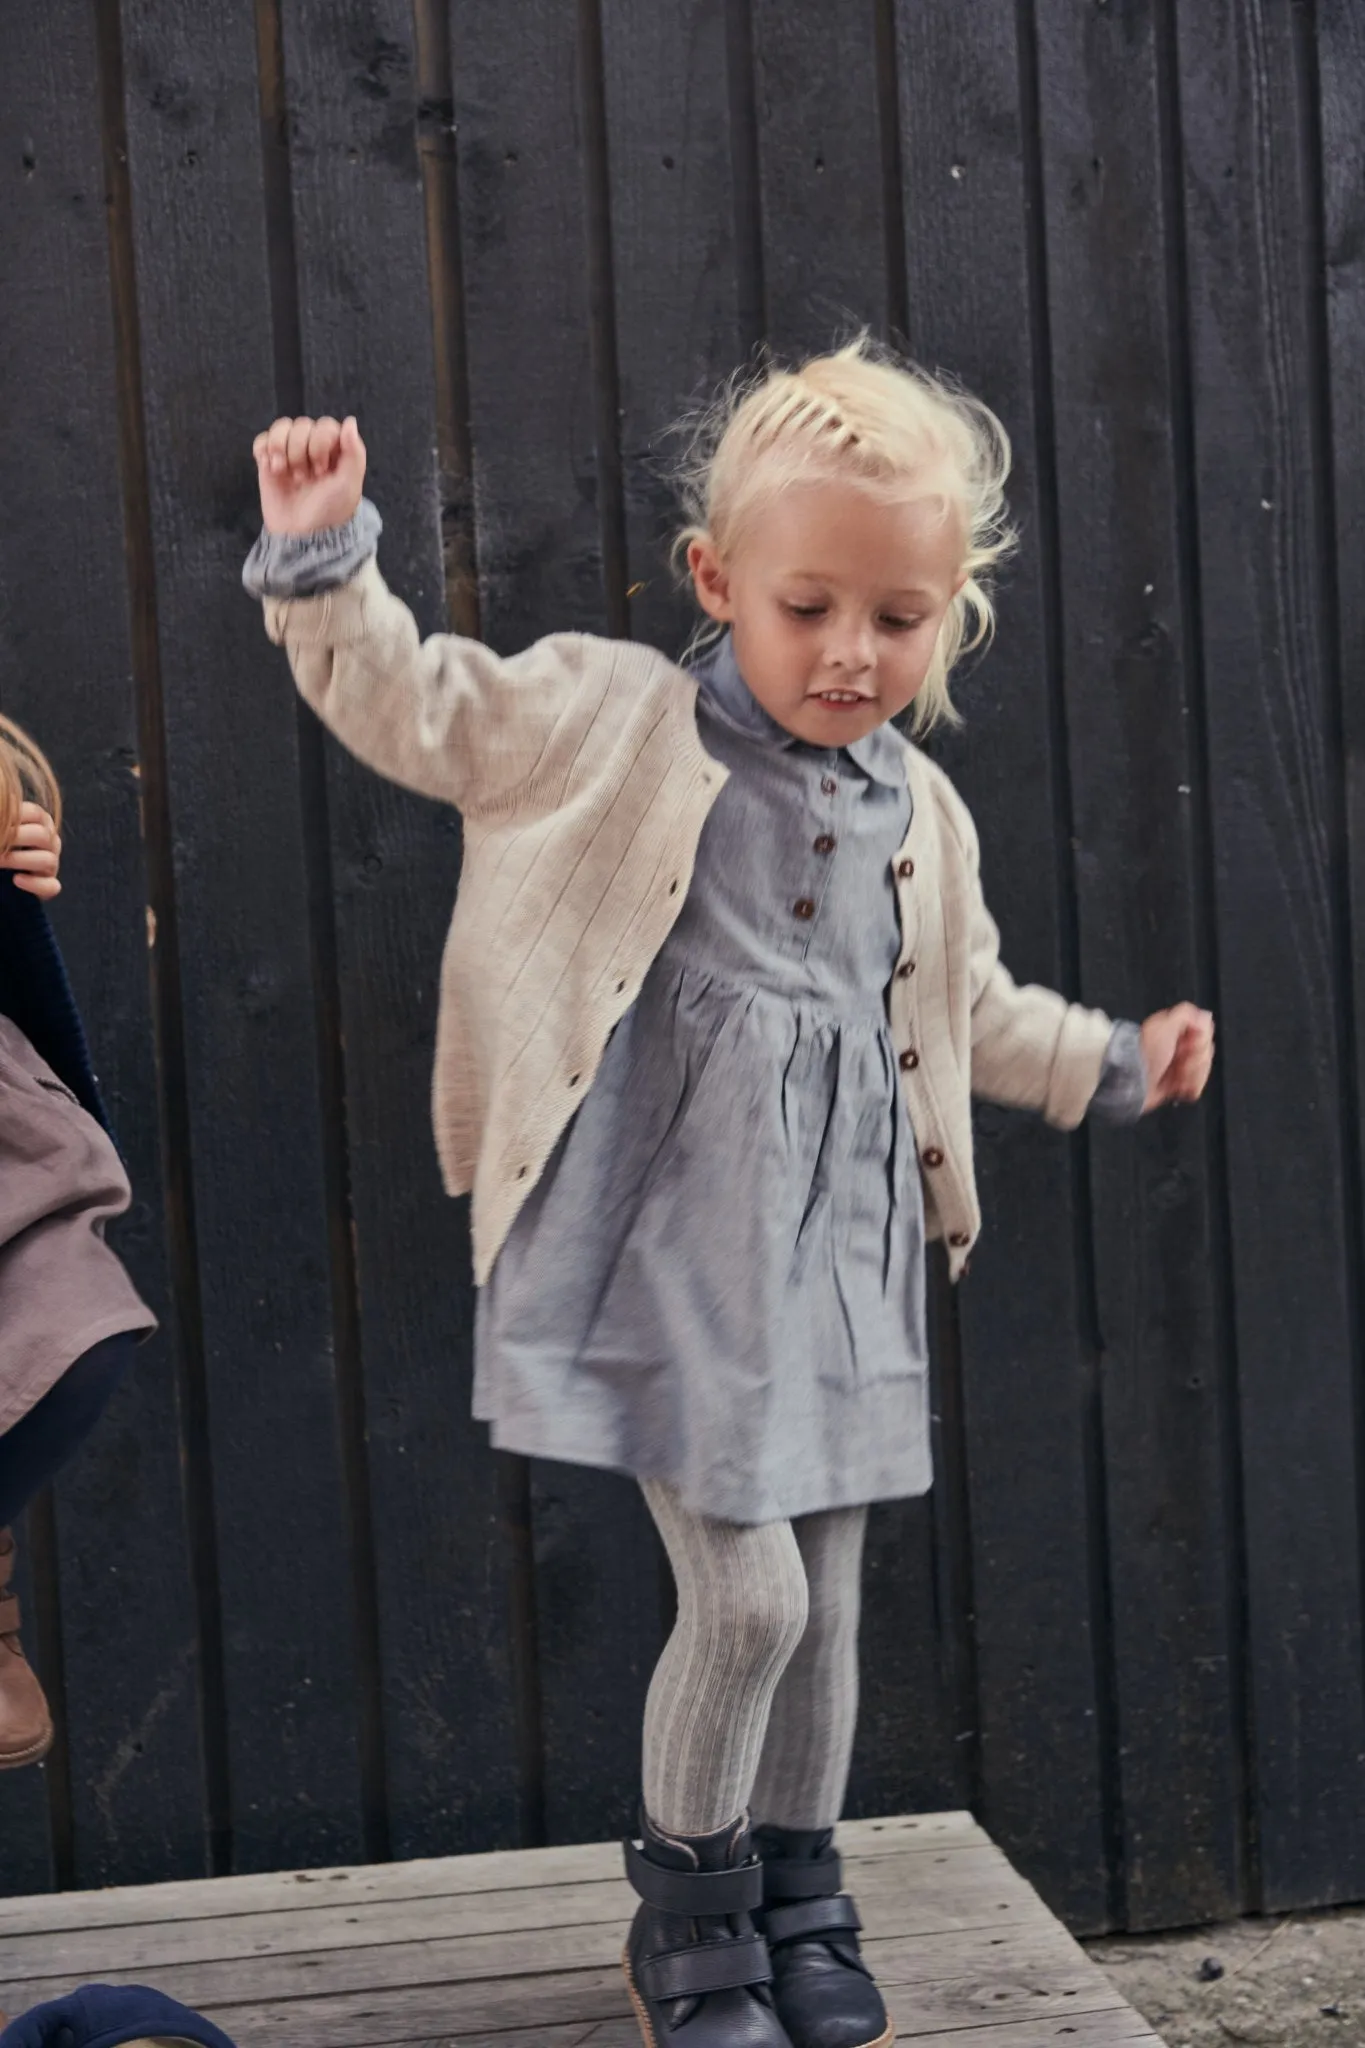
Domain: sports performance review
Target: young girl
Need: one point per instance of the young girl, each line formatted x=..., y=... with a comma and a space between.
x=719, y=987
x=69, y=1315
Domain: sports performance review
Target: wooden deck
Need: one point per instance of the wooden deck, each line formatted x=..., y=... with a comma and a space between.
x=520, y=1949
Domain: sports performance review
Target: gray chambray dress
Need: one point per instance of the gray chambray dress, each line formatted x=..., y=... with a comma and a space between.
x=719, y=1279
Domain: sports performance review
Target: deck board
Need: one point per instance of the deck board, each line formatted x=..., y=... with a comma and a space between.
x=520, y=1949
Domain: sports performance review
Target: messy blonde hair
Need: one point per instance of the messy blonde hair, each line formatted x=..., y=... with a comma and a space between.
x=25, y=776
x=860, y=415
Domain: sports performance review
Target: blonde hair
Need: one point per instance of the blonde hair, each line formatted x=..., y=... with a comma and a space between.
x=859, y=415
x=26, y=774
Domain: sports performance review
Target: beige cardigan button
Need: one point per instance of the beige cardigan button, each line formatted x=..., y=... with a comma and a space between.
x=932, y=1156
x=959, y=1240
x=909, y=1060
x=905, y=970
x=905, y=868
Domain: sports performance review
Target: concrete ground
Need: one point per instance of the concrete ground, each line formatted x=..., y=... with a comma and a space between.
x=1294, y=1982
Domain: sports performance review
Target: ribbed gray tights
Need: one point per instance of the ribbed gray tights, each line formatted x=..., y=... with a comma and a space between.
x=754, y=1700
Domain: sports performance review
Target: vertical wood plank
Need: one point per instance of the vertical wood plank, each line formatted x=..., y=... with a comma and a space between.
x=1253, y=239
x=820, y=166
x=1028, y=1365
x=440, y=1557
x=1340, y=92
x=129, y=1649
x=242, y=883
x=521, y=101
x=679, y=310
x=1124, y=567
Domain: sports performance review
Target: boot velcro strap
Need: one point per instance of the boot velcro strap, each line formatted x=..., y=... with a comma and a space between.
x=810, y=1919
x=787, y=1878
x=710, y=1966
x=695, y=1894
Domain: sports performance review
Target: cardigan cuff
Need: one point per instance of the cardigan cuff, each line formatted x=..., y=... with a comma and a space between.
x=1122, y=1092
x=305, y=564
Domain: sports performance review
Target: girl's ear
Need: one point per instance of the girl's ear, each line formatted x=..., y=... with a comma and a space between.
x=710, y=579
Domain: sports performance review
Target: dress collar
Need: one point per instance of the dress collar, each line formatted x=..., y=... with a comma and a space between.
x=880, y=753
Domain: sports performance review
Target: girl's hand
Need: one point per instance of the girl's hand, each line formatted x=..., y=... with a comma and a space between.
x=311, y=473
x=1177, y=1049
x=36, y=854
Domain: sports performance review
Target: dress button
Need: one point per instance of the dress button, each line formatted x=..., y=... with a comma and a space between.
x=824, y=844
x=909, y=1060
x=932, y=1156
x=959, y=1240
x=803, y=908
x=828, y=785
x=905, y=970
x=905, y=868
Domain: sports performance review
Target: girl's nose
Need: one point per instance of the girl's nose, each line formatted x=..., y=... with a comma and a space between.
x=851, y=646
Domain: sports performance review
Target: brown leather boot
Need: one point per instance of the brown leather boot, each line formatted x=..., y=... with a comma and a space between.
x=25, y=1723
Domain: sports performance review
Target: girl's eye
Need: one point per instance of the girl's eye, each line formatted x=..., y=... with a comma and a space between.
x=806, y=611
x=894, y=625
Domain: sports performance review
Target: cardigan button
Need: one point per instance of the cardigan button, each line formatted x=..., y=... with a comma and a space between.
x=932, y=1156
x=905, y=868
x=905, y=970
x=828, y=785
x=959, y=1240
x=909, y=1060
x=825, y=843
x=804, y=909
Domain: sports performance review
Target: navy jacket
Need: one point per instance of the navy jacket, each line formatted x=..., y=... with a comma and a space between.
x=36, y=994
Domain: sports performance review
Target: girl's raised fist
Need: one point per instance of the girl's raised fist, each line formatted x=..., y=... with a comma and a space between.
x=312, y=473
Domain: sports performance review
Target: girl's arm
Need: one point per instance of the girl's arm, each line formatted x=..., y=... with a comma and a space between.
x=1031, y=1049
x=444, y=716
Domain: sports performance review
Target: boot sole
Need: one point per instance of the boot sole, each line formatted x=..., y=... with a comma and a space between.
x=645, y=2023
x=15, y=1759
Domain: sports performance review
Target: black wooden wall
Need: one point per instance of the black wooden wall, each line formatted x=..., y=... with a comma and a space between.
x=290, y=1609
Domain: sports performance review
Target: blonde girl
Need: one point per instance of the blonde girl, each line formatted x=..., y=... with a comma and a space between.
x=719, y=987
x=69, y=1315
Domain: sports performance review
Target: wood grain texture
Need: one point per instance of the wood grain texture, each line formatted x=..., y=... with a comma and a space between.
x=194, y=134
x=963, y=1946
x=958, y=1889
x=817, y=95
x=1252, y=233
x=129, y=1651
x=1028, y=1365
x=1129, y=696
x=679, y=318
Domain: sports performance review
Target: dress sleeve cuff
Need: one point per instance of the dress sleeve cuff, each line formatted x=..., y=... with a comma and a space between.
x=304, y=564
x=1123, y=1078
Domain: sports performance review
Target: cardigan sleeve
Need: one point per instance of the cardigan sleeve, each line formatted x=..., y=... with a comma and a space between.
x=444, y=716
x=1031, y=1048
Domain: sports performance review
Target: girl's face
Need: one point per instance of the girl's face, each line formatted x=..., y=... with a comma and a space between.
x=834, y=599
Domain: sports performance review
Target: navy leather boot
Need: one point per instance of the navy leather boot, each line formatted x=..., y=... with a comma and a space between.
x=826, y=1995
x=698, y=1973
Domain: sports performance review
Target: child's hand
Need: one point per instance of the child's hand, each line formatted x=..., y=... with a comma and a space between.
x=36, y=854
x=1177, y=1048
x=311, y=473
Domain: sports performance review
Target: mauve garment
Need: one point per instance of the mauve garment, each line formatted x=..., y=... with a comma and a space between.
x=62, y=1289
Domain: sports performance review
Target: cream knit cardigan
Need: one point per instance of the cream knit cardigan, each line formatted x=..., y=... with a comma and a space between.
x=584, y=787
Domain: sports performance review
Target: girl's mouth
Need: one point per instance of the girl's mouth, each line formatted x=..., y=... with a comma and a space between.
x=841, y=700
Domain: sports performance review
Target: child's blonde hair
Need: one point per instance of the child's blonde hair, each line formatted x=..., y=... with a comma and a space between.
x=858, y=414
x=25, y=775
